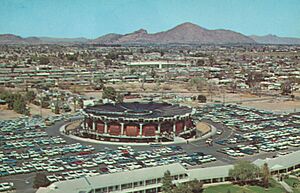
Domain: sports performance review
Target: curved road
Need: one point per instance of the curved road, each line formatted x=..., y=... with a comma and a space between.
x=195, y=146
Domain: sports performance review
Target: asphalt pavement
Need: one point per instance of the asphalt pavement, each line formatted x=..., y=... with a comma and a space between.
x=23, y=182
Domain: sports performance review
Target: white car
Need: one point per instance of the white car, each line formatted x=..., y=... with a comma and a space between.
x=6, y=186
x=52, y=178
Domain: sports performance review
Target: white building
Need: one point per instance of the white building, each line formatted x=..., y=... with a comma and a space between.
x=149, y=180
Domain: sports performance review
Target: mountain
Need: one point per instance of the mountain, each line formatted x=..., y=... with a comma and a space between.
x=273, y=39
x=186, y=33
x=14, y=39
x=63, y=40
x=11, y=39
x=106, y=39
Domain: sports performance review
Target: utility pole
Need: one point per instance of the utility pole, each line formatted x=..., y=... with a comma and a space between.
x=41, y=104
x=224, y=92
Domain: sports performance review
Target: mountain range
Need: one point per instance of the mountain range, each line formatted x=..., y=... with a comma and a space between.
x=186, y=33
x=273, y=39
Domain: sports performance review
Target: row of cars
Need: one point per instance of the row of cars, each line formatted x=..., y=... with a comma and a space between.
x=108, y=161
x=125, y=159
x=38, y=159
x=254, y=130
x=43, y=141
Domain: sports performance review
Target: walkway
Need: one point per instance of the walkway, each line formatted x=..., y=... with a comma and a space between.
x=284, y=185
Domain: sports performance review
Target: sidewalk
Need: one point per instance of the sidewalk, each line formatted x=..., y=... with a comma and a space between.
x=284, y=185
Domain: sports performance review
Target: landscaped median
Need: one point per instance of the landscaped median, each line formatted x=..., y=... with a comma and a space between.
x=203, y=127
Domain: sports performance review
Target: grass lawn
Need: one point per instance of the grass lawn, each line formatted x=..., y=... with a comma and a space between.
x=274, y=188
x=291, y=181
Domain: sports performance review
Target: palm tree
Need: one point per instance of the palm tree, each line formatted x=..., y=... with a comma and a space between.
x=265, y=175
x=75, y=103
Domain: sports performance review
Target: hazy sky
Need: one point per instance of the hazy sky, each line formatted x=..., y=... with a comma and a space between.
x=93, y=18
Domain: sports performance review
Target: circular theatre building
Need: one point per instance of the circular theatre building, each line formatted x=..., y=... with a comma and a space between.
x=137, y=122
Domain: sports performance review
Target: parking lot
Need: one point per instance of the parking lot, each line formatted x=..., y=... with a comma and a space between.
x=255, y=131
x=26, y=148
x=30, y=145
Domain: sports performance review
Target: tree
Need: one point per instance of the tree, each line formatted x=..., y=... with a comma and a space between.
x=41, y=180
x=195, y=186
x=75, y=100
x=30, y=96
x=45, y=101
x=198, y=83
x=292, y=97
x=181, y=188
x=167, y=185
x=211, y=60
x=109, y=93
x=45, y=104
x=189, y=187
x=44, y=60
x=201, y=98
x=244, y=171
x=200, y=62
x=265, y=172
x=80, y=103
x=286, y=88
x=253, y=78
x=8, y=97
x=13, y=68
x=15, y=102
x=99, y=84
x=233, y=86
x=132, y=71
x=19, y=106
x=119, y=98
x=153, y=73
x=107, y=62
x=72, y=57
x=211, y=88
x=56, y=108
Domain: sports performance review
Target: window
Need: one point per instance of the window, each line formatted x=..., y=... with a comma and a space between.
x=149, y=182
x=175, y=177
x=182, y=176
x=141, y=183
x=136, y=184
x=158, y=180
x=152, y=190
x=110, y=189
x=126, y=186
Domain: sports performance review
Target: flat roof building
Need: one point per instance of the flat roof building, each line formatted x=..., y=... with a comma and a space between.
x=159, y=64
x=149, y=180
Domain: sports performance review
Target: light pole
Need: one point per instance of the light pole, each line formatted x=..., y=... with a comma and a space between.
x=41, y=105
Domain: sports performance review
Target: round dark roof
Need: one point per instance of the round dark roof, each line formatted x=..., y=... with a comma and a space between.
x=138, y=110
